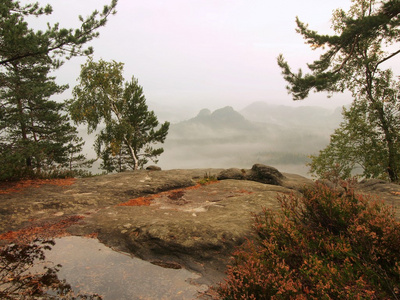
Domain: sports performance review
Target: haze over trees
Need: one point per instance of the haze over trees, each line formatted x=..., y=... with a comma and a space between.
x=36, y=137
x=130, y=128
x=355, y=58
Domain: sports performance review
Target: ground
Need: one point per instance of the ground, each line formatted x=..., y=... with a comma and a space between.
x=165, y=217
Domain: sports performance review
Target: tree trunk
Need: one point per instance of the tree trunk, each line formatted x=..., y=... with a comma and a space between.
x=377, y=105
x=131, y=150
x=392, y=167
x=132, y=153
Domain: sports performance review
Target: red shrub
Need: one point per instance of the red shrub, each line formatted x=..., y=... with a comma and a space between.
x=319, y=246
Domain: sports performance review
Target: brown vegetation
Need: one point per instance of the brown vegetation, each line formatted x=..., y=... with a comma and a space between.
x=322, y=245
x=18, y=186
x=173, y=195
x=46, y=230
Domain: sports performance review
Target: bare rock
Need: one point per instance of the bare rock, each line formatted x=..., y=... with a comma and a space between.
x=265, y=174
x=259, y=173
x=180, y=223
x=232, y=173
x=153, y=168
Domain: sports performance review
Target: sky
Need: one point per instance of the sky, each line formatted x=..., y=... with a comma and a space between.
x=203, y=53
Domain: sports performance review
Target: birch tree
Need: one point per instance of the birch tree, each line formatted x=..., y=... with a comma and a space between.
x=131, y=130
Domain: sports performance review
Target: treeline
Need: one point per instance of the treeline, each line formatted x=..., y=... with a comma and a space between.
x=357, y=58
x=37, y=135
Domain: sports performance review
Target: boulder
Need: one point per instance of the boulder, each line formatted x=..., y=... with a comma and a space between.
x=259, y=173
x=265, y=174
x=153, y=168
x=232, y=173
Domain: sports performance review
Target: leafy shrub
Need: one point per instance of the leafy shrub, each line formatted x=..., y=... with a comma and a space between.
x=319, y=246
x=208, y=178
x=15, y=171
x=62, y=173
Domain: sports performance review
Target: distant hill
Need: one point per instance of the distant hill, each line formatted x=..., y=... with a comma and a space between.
x=276, y=135
x=223, y=123
x=225, y=117
x=279, y=136
x=304, y=116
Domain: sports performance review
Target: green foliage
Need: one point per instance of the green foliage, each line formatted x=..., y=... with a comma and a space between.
x=322, y=245
x=13, y=163
x=352, y=60
x=360, y=37
x=35, y=132
x=18, y=41
x=130, y=128
x=208, y=178
x=358, y=144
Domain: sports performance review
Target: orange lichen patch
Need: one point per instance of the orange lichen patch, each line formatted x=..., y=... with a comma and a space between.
x=146, y=201
x=176, y=195
x=15, y=187
x=141, y=201
x=46, y=230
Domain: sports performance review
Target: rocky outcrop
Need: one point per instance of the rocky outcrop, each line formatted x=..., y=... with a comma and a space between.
x=259, y=173
x=153, y=168
x=232, y=173
x=267, y=175
x=163, y=215
x=166, y=215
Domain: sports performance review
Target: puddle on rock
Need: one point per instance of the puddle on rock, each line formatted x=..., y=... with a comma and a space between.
x=91, y=267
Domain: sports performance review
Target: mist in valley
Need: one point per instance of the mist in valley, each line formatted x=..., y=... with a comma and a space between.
x=275, y=135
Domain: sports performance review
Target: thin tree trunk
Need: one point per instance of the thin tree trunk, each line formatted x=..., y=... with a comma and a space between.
x=131, y=150
x=392, y=167
x=132, y=153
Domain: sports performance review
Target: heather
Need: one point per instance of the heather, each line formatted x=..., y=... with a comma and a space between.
x=321, y=245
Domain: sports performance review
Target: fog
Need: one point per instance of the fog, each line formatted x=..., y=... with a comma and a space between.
x=275, y=135
x=190, y=55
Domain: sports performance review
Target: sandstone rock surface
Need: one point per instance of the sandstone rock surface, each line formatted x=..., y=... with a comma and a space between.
x=166, y=216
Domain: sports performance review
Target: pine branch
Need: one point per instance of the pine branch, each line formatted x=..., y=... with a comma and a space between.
x=60, y=43
x=387, y=58
x=348, y=56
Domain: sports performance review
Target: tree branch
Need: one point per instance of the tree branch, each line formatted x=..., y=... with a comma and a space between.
x=348, y=56
x=386, y=58
x=63, y=42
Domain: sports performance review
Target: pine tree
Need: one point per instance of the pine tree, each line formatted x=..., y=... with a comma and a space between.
x=36, y=132
x=36, y=136
x=130, y=130
x=353, y=60
x=18, y=41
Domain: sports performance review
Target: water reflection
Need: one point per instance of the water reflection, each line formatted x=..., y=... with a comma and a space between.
x=25, y=275
x=91, y=267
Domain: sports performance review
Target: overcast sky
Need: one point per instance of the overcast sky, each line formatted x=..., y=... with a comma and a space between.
x=204, y=53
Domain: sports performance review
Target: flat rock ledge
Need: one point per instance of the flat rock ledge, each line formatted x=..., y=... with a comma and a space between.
x=165, y=217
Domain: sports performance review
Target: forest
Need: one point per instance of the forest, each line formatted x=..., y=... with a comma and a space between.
x=39, y=136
